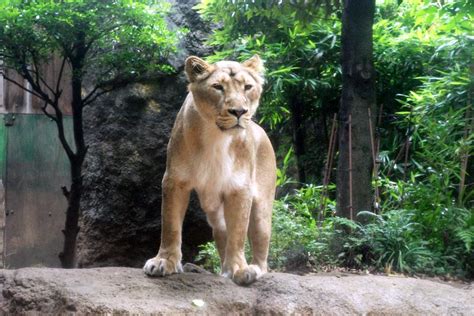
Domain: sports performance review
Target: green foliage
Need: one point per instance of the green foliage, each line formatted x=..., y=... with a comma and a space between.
x=433, y=118
x=398, y=241
x=294, y=229
x=120, y=39
x=423, y=58
x=412, y=41
x=282, y=174
x=296, y=240
x=389, y=242
x=208, y=257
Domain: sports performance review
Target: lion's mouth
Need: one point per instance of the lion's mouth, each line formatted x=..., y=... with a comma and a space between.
x=229, y=123
x=236, y=126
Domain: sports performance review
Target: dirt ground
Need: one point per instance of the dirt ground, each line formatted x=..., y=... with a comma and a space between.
x=127, y=290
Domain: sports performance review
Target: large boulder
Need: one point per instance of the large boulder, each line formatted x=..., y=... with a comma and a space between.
x=127, y=132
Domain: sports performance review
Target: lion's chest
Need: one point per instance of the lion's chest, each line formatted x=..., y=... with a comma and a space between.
x=215, y=171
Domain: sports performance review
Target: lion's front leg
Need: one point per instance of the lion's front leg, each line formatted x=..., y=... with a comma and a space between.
x=174, y=204
x=237, y=207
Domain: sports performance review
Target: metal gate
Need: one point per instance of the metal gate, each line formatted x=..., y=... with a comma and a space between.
x=35, y=168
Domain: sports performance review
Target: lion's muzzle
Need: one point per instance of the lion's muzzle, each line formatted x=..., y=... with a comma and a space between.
x=237, y=112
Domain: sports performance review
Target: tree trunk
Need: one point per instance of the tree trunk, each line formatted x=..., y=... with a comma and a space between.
x=71, y=229
x=73, y=196
x=299, y=136
x=358, y=95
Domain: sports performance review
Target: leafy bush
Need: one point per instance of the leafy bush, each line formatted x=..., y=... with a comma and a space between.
x=396, y=241
x=389, y=242
x=296, y=240
x=208, y=257
x=399, y=241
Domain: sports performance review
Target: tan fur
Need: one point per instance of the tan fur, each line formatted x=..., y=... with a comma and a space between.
x=230, y=163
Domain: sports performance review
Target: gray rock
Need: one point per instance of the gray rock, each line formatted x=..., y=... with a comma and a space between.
x=184, y=16
x=127, y=132
x=128, y=291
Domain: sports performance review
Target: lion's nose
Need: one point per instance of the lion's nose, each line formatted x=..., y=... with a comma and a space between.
x=238, y=112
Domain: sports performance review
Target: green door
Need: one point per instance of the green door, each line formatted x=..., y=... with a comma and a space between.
x=36, y=169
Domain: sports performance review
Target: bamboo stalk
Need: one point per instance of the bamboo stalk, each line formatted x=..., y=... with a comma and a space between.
x=405, y=163
x=327, y=171
x=371, y=131
x=377, y=150
x=331, y=145
x=334, y=142
x=465, y=156
x=374, y=161
x=407, y=152
x=399, y=155
x=379, y=123
x=350, y=168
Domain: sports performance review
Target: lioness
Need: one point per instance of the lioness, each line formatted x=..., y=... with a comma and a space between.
x=216, y=149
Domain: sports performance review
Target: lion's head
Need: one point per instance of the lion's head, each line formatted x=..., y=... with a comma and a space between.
x=226, y=92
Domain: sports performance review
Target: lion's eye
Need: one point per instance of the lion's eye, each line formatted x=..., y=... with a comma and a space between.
x=248, y=87
x=218, y=87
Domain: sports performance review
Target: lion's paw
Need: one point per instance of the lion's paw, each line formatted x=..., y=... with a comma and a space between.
x=246, y=276
x=161, y=267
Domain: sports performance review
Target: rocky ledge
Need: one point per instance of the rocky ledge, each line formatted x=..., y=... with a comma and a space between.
x=127, y=290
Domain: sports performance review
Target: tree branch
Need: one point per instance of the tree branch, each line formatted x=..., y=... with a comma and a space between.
x=90, y=97
x=36, y=87
x=66, y=193
x=97, y=95
x=40, y=78
x=35, y=72
x=100, y=34
x=60, y=75
x=43, y=108
x=85, y=101
x=61, y=134
x=21, y=86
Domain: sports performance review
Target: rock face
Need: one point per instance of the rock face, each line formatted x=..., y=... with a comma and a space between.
x=128, y=291
x=127, y=132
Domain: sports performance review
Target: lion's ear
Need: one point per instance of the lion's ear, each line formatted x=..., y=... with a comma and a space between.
x=196, y=68
x=255, y=63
